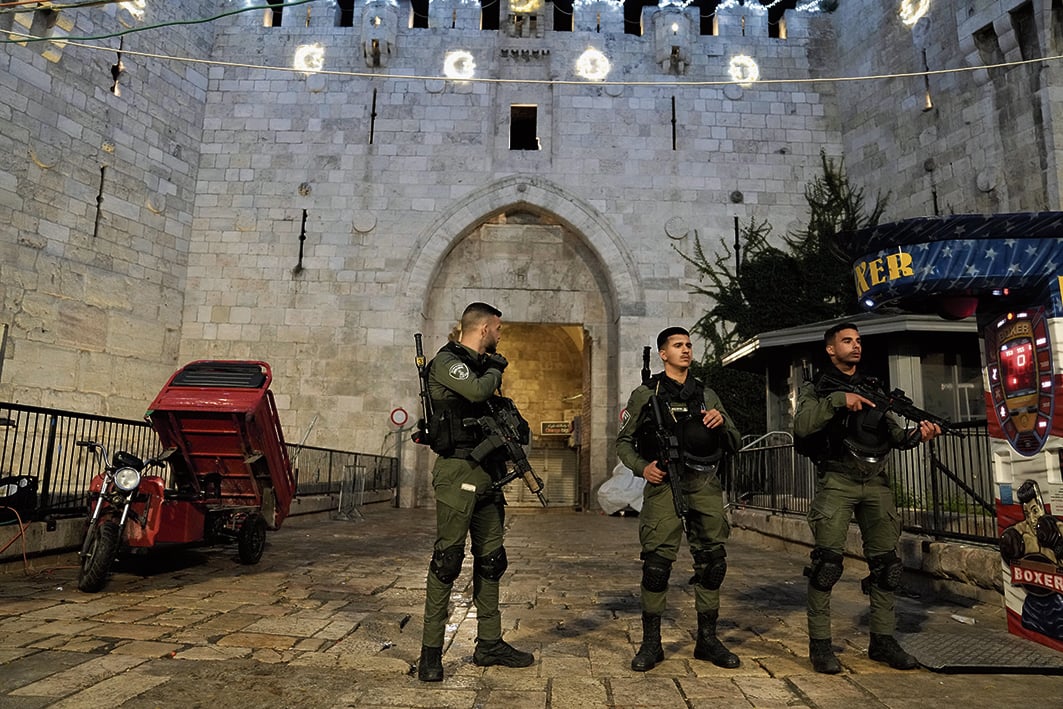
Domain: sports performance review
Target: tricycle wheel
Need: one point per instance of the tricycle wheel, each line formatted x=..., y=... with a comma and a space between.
x=251, y=539
x=97, y=555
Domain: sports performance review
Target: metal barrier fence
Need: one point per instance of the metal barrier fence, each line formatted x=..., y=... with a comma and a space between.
x=39, y=443
x=943, y=489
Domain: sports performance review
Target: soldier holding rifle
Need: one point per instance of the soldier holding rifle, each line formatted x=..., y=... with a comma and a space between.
x=675, y=434
x=462, y=381
x=849, y=437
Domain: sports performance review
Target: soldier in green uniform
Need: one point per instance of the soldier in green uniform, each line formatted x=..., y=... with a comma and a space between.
x=704, y=432
x=853, y=440
x=461, y=378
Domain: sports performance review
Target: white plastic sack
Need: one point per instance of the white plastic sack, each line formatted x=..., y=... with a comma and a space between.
x=621, y=491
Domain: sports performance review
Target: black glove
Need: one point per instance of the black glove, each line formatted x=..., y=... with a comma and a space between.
x=1048, y=534
x=497, y=361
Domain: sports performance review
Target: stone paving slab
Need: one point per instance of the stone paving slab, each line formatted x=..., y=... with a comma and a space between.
x=331, y=617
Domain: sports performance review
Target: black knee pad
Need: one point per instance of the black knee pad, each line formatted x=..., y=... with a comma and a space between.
x=886, y=570
x=492, y=566
x=714, y=568
x=825, y=570
x=655, y=572
x=446, y=564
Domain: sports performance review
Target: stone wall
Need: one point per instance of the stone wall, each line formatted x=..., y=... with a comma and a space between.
x=395, y=175
x=97, y=192
x=987, y=140
x=238, y=208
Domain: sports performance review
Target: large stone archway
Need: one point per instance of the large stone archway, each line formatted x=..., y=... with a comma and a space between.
x=625, y=291
x=545, y=260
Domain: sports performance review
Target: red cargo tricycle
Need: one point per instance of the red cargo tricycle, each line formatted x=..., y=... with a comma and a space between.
x=229, y=474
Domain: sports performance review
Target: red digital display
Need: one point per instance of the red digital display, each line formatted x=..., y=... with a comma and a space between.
x=1017, y=371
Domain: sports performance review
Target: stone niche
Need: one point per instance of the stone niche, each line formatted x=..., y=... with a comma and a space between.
x=525, y=18
x=380, y=26
x=672, y=30
x=602, y=16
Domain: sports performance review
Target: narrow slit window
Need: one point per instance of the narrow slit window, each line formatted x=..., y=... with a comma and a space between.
x=523, y=128
x=345, y=13
x=273, y=14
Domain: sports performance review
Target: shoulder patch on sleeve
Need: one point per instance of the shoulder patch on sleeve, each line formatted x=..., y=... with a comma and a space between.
x=459, y=371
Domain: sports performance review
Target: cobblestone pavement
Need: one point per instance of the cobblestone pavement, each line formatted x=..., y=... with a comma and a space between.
x=331, y=617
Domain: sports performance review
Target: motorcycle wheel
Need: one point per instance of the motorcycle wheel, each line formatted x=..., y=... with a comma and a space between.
x=97, y=555
x=251, y=540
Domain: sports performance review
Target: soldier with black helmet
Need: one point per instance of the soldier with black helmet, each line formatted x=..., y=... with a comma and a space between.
x=851, y=440
x=462, y=377
x=705, y=433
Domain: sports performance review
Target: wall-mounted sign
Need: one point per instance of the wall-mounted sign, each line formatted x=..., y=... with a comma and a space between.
x=555, y=428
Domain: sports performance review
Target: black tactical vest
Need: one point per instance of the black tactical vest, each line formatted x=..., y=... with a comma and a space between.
x=450, y=412
x=863, y=434
x=701, y=447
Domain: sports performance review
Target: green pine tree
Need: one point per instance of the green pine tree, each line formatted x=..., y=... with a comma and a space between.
x=769, y=287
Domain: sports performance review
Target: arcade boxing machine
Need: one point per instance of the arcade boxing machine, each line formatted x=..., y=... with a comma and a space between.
x=1007, y=270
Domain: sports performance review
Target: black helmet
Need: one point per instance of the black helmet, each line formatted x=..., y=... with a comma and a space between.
x=866, y=434
x=697, y=439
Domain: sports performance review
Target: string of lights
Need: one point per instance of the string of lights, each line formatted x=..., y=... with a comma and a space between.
x=676, y=83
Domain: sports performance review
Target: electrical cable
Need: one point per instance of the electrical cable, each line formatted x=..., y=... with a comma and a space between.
x=172, y=23
x=568, y=82
x=77, y=42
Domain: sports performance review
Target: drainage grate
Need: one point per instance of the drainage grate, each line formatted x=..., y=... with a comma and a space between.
x=982, y=652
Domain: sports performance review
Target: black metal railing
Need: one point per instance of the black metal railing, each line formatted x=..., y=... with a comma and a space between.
x=321, y=471
x=38, y=443
x=943, y=489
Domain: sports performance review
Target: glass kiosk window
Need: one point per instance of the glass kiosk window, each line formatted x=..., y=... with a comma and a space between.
x=1017, y=371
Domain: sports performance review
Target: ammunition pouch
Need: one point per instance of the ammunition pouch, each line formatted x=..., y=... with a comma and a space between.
x=646, y=441
x=449, y=432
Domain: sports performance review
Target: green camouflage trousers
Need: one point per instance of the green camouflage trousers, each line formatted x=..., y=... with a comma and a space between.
x=465, y=507
x=838, y=498
x=660, y=532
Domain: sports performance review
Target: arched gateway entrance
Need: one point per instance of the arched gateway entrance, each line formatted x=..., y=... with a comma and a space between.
x=560, y=323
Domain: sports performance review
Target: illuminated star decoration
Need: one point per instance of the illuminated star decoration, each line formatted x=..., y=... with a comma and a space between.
x=309, y=58
x=913, y=10
x=593, y=65
x=459, y=64
x=743, y=70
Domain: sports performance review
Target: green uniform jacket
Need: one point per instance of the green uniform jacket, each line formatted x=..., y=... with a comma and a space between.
x=814, y=413
x=450, y=379
x=638, y=412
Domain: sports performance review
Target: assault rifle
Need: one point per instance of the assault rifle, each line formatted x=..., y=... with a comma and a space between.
x=896, y=401
x=420, y=434
x=502, y=430
x=668, y=456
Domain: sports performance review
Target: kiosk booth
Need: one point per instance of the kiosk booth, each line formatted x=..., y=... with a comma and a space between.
x=1007, y=270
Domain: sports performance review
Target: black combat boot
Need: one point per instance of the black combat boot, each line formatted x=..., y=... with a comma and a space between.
x=499, y=652
x=650, y=651
x=822, y=656
x=884, y=648
x=709, y=646
x=430, y=666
